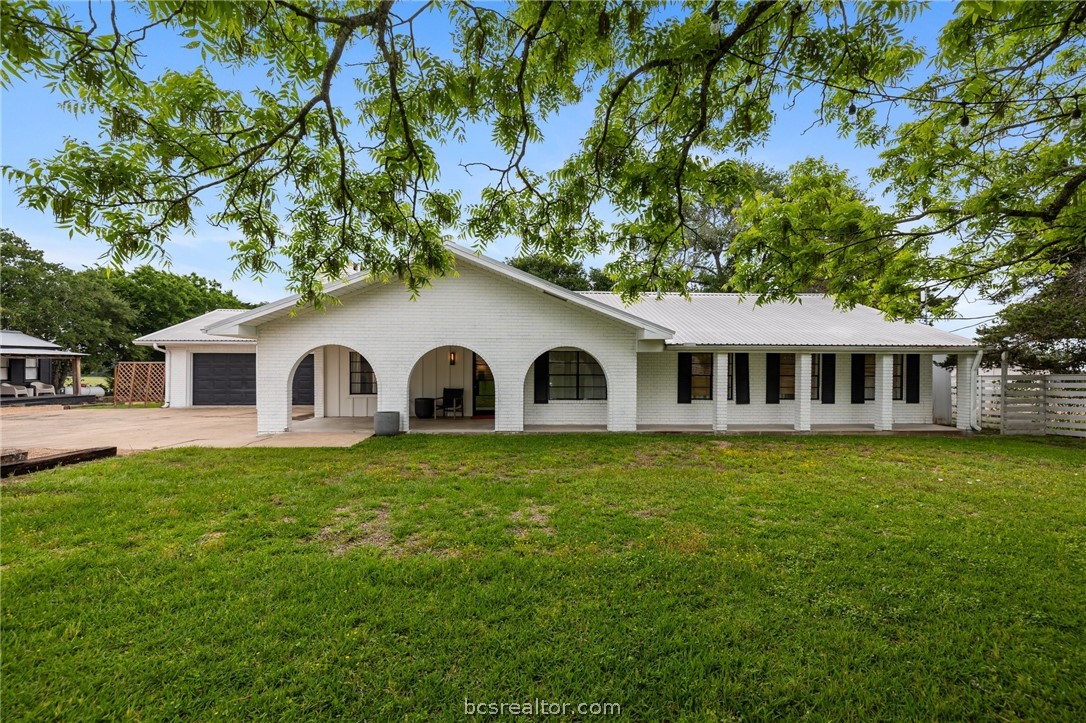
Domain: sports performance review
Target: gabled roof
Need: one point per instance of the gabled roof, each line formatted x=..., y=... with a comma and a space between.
x=193, y=330
x=276, y=309
x=19, y=344
x=732, y=320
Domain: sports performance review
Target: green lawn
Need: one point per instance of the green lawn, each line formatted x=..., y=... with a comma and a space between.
x=680, y=577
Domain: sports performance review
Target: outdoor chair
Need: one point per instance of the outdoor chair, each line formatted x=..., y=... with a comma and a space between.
x=452, y=400
x=41, y=388
x=13, y=390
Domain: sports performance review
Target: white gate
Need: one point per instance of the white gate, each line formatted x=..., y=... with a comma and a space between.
x=1034, y=404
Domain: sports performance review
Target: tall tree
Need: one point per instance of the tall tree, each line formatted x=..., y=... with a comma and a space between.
x=713, y=227
x=97, y=311
x=161, y=299
x=980, y=134
x=568, y=274
x=76, y=310
x=1047, y=331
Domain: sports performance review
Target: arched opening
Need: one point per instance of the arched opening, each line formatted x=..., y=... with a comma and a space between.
x=566, y=386
x=302, y=389
x=332, y=388
x=451, y=389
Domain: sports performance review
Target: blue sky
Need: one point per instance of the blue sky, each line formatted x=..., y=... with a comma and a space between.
x=33, y=126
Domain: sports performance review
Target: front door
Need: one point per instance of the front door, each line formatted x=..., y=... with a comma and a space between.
x=482, y=388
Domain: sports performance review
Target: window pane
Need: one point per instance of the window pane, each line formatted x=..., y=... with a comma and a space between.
x=592, y=382
x=788, y=376
x=701, y=364
x=731, y=376
x=699, y=388
x=362, y=378
x=575, y=375
x=701, y=376
x=563, y=363
x=869, y=377
x=599, y=392
x=898, y=370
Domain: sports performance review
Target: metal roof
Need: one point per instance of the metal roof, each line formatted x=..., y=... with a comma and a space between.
x=812, y=321
x=13, y=339
x=193, y=330
x=16, y=343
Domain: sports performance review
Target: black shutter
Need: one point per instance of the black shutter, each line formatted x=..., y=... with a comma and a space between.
x=858, y=378
x=829, y=378
x=686, y=360
x=912, y=378
x=772, y=378
x=45, y=370
x=741, y=378
x=543, y=378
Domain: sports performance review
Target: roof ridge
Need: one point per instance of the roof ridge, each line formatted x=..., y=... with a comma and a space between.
x=812, y=294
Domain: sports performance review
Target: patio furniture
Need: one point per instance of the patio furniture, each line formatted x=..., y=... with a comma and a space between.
x=13, y=390
x=41, y=388
x=424, y=407
x=452, y=400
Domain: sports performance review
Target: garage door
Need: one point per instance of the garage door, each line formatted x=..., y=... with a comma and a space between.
x=302, y=388
x=224, y=379
x=230, y=379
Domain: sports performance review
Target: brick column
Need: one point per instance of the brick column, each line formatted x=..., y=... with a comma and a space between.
x=318, y=382
x=622, y=394
x=508, y=403
x=966, y=392
x=272, y=391
x=392, y=388
x=720, y=393
x=802, y=421
x=884, y=392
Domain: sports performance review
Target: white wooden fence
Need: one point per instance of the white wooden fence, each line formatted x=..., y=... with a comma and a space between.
x=1033, y=404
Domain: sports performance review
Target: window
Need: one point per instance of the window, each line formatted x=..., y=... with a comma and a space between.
x=731, y=376
x=869, y=377
x=3, y=370
x=788, y=376
x=899, y=379
x=701, y=376
x=816, y=372
x=575, y=375
x=363, y=380
x=31, y=368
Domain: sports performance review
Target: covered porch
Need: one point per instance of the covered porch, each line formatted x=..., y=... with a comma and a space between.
x=27, y=366
x=829, y=390
x=843, y=429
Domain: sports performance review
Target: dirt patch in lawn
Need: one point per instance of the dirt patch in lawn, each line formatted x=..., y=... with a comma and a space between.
x=347, y=532
x=652, y=513
x=533, y=518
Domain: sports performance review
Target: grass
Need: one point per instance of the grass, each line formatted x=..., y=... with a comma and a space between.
x=90, y=381
x=680, y=577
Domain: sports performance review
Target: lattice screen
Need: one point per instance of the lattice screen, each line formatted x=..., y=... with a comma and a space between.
x=139, y=382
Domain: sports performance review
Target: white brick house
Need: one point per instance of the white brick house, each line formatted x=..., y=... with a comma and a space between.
x=527, y=352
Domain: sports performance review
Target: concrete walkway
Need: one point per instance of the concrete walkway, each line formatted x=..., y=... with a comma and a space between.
x=135, y=429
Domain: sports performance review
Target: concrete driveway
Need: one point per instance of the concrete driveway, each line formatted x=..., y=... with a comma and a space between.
x=135, y=429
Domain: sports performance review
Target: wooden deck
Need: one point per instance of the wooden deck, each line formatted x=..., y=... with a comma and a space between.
x=63, y=400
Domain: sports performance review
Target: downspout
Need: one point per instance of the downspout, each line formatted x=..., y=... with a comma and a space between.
x=165, y=396
x=974, y=422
